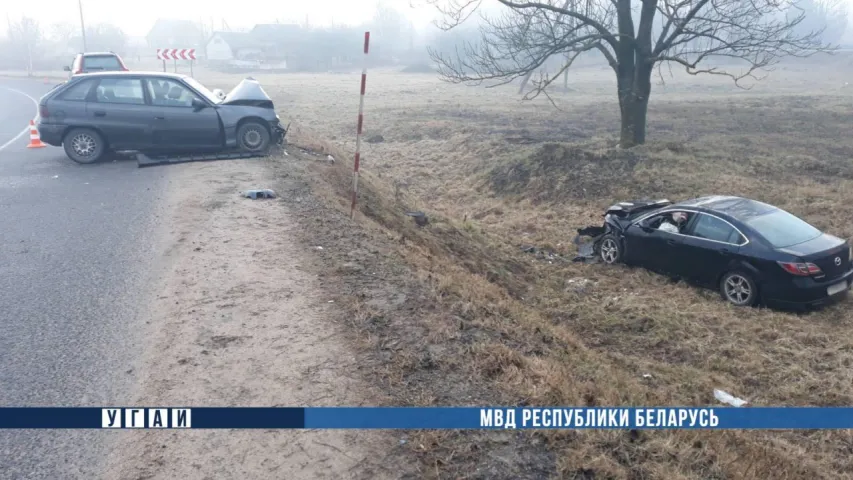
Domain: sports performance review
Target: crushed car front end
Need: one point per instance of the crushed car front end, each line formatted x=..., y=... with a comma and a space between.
x=278, y=132
x=249, y=102
x=616, y=219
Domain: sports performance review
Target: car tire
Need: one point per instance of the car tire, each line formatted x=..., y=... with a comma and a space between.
x=610, y=249
x=253, y=137
x=739, y=288
x=84, y=145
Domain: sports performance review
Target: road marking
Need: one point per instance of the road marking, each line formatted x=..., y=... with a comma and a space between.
x=27, y=128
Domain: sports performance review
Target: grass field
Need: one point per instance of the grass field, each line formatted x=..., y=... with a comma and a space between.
x=495, y=173
x=482, y=322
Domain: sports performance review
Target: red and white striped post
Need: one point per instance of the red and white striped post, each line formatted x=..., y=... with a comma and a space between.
x=360, y=125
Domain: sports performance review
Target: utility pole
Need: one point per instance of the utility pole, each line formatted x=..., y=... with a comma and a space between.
x=82, y=25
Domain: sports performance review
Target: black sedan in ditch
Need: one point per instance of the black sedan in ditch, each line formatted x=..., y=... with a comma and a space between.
x=155, y=112
x=750, y=251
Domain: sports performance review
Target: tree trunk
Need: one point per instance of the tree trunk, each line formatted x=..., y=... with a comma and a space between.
x=634, y=102
x=524, y=81
x=633, y=122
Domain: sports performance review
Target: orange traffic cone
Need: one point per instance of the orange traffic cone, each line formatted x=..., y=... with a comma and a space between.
x=35, y=140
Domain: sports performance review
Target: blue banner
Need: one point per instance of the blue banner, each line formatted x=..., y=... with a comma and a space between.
x=767, y=418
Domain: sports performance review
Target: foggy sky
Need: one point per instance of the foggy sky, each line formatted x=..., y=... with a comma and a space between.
x=136, y=18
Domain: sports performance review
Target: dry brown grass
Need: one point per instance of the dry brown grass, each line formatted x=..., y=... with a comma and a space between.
x=494, y=325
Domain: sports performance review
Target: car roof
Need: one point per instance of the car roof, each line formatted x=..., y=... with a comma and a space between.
x=133, y=73
x=738, y=208
x=97, y=54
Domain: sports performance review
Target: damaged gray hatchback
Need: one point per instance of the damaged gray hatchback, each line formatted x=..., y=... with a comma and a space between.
x=155, y=112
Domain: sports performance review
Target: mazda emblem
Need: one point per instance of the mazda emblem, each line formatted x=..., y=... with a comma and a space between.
x=838, y=260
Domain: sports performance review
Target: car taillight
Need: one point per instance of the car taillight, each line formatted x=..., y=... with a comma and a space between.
x=801, y=269
x=43, y=112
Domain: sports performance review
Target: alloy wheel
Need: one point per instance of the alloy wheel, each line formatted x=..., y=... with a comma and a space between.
x=84, y=145
x=609, y=250
x=737, y=289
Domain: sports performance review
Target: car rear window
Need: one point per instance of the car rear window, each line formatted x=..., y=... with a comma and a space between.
x=782, y=229
x=101, y=62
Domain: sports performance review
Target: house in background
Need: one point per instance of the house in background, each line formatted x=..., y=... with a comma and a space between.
x=279, y=40
x=223, y=47
x=167, y=33
x=279, y=46
x=262, y=47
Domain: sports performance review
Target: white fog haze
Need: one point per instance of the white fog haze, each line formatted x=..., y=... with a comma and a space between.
x=293, y=36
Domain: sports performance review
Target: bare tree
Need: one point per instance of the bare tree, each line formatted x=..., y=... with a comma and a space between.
x=689, y=33
x=828, y=16
x=105, y=36
x=390, y=28
x=25, y=38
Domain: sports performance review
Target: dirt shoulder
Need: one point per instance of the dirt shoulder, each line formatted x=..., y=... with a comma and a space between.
x=243, y=319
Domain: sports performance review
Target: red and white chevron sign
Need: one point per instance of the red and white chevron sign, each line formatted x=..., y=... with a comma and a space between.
x=175, y=54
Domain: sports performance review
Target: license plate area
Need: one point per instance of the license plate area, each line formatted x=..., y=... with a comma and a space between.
x=837, y=288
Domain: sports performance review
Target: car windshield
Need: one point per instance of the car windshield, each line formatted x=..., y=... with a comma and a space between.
x=202, y=89
x=782, y=229
x=101, y=62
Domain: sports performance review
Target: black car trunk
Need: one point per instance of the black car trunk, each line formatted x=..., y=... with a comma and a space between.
x=829, y=253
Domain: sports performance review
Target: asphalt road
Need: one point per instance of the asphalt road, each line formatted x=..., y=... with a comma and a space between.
x=75, y=249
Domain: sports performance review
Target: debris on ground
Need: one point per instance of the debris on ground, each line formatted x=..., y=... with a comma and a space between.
x=376, y=139
x=256, y=194
x=578, y=284
x=728, y=398
x=330, y=158
x=586, y=248
x=543, y=253
x=420, y=218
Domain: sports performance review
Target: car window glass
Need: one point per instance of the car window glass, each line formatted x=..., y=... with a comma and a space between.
x=169, y=93
x=78, y=92
x=101, y=62
x=669, y=221
x=713, y=228
x=783, y=229
x=120, y=90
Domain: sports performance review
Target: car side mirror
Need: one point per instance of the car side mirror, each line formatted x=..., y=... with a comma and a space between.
x=66, y=68
x=644, y=225
x=198, y=104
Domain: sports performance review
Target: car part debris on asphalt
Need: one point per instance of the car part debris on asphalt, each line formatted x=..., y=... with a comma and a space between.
x=144, y=160
x=256, y=194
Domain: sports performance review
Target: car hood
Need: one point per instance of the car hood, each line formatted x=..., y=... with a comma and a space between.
x=248, y=92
